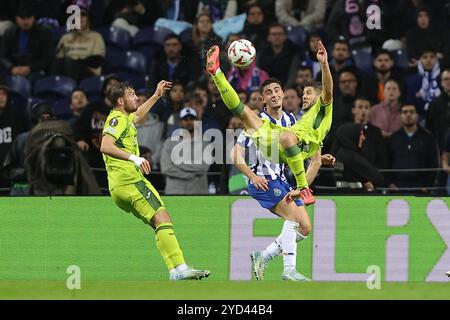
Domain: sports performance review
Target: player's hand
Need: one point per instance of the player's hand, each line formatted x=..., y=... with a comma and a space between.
x=145, y=167
x=260, y=183
x=328, y=160
x=162, y=86
x=291, y=196
x=322, y=55
x=141, y=163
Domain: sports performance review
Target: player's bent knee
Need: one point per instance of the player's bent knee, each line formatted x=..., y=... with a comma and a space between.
x=305, y=228
x=162, y=216
x=288, y=139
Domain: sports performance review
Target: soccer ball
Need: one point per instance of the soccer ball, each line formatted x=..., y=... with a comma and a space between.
x=241, y=53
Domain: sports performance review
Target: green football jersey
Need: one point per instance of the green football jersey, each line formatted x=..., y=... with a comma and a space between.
x=122, y=129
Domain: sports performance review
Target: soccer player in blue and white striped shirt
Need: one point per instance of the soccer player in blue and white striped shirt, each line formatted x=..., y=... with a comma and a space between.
x=268, y=185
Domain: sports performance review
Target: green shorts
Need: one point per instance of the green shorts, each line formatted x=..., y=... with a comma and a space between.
x=139, y=198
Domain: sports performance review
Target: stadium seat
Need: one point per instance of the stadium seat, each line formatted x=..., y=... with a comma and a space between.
x=62, y=109
x=401, y=59
x=57, y=33
x=144, y=43
x=363, y=59
x=137, y=81
x=19, y=85
x=131, y=61
x=53, y=88
x=93, y=86
x=116, y=38
x=298, y=36
x=20, y=91
x=186, y=36
x=159, y=34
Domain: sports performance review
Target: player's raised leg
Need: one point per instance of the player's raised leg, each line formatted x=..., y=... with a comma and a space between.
x=228, y=94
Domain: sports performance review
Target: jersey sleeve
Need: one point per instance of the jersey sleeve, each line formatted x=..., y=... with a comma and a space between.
x=244, y=141
x=115, y=126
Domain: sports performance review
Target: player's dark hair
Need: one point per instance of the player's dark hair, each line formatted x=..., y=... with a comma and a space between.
x=316, y=85
x=267, y=82
x=118, y=91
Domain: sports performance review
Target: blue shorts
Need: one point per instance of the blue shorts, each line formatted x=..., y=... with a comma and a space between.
x=270, y=198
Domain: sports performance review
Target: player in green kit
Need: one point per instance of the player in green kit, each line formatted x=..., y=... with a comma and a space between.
x=280, y=144
x=129, y=189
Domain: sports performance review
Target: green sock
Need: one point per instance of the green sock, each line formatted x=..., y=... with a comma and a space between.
x=168, y=246
x=294, y=160
x=228, y=94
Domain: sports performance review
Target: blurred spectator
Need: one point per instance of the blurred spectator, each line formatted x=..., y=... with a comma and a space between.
x=247, y=79
x=15, y=159
x=173, y=103
x=78, y=103
x=256, y=28
x=80, y=53
x=180, y=10
x=438, y=114
x=292, y=103
x=203, y=35
x=242, y=95
x=183, y=174
x=425, y=35
x=361, y=148
x=150, y=131
x=412, y=147
x=237, y=181
x=276, y=58
x=348, y=18
x=373, y=87
x=89, y=127
x=310, y=55
x=255, y=101
x=12, y=123
x=446, y=161
x=129, y=15
x=340, y=59
x=8, y=8
x=216, y=8
x=386, y=115
x=199, y=102
x=308, y=14
x=303, y=76
x=423, y=86
x=235, y=7
x=216, y=108
x=176, y=64
x=27, y=48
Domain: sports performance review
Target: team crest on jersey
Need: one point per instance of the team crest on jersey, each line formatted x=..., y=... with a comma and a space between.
x=113, y=122
x=277, y=192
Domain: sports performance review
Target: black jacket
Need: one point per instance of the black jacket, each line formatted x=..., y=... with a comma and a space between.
x=12, y=123
x=373, y=148
x=187, y=69
x=277, y=66
x=438, y=118
x=40, y=47
x=418, y=151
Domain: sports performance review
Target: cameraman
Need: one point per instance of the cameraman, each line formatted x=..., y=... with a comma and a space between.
x=360, y=147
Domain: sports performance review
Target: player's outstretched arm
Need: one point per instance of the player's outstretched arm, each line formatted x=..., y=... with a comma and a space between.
x=327, y=79
x=147, y=105
x=238, y=160
x=109, y=148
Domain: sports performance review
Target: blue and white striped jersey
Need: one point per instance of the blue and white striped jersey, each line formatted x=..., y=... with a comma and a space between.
x=260, y=165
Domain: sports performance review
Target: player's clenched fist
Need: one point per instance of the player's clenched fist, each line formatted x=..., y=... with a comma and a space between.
x=162, y=85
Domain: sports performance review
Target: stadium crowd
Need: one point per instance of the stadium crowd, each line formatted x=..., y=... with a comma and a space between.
x=391, y=99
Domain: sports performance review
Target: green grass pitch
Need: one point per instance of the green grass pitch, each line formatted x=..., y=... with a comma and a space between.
x=220, y=290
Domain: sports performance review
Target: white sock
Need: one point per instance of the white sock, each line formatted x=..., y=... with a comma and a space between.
x=289, y=245
x=180, y=268
x=272, y=250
